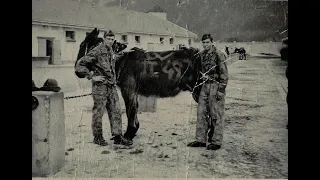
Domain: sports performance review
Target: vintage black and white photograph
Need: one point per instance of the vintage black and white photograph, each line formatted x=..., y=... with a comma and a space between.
x=159, y=89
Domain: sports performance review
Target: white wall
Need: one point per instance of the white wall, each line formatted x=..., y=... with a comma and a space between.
x=69, y=50
x=155, y=39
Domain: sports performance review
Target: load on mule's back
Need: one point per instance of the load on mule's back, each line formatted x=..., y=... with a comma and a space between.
x=162, y=74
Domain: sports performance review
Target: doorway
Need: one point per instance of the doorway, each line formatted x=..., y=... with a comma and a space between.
x=49, y=50
x=150, y=47
x=45, y=48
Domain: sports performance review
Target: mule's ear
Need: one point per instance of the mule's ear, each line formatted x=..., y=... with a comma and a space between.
x=100, y=40
x=95, y=31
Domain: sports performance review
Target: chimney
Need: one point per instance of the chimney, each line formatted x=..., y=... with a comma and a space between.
x=158, y=11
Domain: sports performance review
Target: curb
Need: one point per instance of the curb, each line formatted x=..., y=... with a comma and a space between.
x=263, y=56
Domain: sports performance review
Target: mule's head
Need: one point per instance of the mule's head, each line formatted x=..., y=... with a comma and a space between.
x=191, y=73
x=194, y=85
x=90, y=41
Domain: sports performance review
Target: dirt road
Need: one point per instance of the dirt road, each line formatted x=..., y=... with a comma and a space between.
x=255, y=139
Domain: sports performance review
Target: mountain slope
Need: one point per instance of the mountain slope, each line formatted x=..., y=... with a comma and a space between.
x=240, y=20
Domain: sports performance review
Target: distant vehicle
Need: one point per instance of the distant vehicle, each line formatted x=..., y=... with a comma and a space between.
x=284, y=49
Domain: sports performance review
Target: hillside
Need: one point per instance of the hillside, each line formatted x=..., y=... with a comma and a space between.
x=227, y=20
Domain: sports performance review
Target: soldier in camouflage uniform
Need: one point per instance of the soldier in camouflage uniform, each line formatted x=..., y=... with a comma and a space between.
x=104, y=92
x=210, y=112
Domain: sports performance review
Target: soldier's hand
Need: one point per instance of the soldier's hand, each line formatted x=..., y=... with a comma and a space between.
x=120, y=53
x=98, y=78
x=204, y=77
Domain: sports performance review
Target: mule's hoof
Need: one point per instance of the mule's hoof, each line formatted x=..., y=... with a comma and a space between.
x=121, y=140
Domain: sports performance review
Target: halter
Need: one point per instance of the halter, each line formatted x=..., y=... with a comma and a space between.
x=191, y=89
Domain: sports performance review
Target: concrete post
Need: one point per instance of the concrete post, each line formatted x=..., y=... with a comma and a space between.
x=48, y=133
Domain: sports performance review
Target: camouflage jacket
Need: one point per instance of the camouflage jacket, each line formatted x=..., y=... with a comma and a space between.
x=102, y=60
x=215, y=58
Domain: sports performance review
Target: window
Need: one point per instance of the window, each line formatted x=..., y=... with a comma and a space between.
x=70, y=36
x=189, y=42
x=171, y=40
x=124, y=38
x=161, y=40
x=137, y=39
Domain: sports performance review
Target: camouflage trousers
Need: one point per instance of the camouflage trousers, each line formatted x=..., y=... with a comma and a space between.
x=210, y=115
x=106, y=97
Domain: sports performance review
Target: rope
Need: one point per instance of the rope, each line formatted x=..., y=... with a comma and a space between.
x=71, y=97
x=204, y=75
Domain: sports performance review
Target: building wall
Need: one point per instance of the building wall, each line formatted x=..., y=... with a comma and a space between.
x=147, y=40
x=69, y=50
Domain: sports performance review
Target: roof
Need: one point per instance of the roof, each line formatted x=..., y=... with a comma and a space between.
x=81, y=13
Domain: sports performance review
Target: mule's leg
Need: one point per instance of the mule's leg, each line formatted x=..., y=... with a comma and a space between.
x=130, y=97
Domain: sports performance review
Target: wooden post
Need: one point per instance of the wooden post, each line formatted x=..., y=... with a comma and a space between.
x=56, y=55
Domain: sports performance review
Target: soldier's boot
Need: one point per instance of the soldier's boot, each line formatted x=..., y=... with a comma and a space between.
x=118, y=139
x=196, y=144
x=213, y=147
x=98, y=139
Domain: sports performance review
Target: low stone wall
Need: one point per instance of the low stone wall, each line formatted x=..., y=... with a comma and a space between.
x=252, y=48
